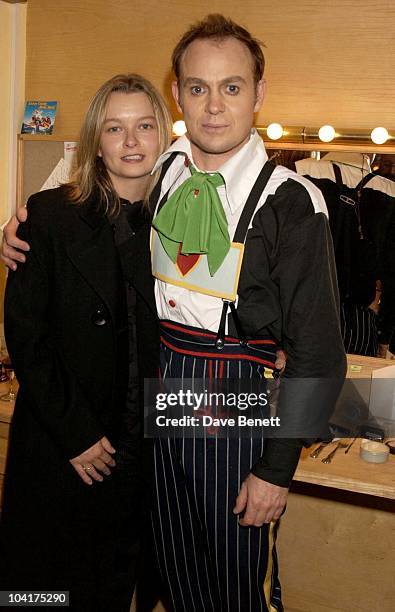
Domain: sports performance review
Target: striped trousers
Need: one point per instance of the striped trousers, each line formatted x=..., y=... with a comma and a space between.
x=209, y=562
x=359, y=329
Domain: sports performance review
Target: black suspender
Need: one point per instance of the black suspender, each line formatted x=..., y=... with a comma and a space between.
x=365, y=180
x=338, y=174
x=358, y=188
x=154, y=197
x=356, y=191
x=252, y=202
x=240, y=236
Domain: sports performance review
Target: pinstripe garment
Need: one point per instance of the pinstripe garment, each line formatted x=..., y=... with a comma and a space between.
x=359, y=330
x=210, y=562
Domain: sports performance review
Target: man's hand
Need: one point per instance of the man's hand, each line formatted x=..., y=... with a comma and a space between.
x=94, y=460
x=9, y=253
x=262, y=501
x=281, y=360
x=382, y=350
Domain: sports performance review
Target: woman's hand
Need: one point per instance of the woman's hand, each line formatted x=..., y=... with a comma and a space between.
x=96, y=459
x=11, y=245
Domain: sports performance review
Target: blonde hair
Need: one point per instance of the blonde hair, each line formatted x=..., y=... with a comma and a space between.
x=91, y=176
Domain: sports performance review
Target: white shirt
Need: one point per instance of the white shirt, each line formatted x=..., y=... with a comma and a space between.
x=239, y=173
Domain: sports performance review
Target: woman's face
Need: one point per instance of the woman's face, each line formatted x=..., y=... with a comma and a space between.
x=129, y=143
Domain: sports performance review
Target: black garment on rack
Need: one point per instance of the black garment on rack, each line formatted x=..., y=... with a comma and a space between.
x=362, y=222
x=355, y=252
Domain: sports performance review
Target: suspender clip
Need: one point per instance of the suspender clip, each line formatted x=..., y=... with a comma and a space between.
x=240, y=334
x=219, y=343
x=347, y=200
x=220, y=340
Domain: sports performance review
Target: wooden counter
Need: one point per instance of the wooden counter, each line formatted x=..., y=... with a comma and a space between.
x=336, y=543
x=348, y=472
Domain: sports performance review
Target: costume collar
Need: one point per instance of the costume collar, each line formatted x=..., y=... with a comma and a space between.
x=239, y=172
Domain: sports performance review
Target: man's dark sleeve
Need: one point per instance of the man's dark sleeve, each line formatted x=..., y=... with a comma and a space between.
x=306, y=276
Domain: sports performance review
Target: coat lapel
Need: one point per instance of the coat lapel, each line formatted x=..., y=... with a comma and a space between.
x=136, y=264
x=94, y=255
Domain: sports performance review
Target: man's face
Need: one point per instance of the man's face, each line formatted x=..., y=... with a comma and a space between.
x=218, y=97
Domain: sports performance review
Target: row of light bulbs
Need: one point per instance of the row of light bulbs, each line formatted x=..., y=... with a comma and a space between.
x=326, y=133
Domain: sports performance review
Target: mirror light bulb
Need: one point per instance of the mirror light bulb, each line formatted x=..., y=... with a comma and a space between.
x=379, y=135
x=326, y=133
x=179, y=128
x=274, y=131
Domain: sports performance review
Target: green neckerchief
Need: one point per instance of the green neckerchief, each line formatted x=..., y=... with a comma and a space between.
x=194, y=218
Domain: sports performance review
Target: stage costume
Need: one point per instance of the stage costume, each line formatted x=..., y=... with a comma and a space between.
x=362, y=218
x=286, y=296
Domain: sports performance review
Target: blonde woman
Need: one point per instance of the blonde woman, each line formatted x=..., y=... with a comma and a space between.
x=81, y=331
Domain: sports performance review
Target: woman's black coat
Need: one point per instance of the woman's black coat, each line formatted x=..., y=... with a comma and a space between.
x=66, y=331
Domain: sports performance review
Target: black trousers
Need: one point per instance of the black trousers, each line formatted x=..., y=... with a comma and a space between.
x=85, y=540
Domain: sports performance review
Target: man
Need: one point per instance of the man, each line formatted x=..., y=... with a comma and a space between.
x=286, y=292
x=217, y=501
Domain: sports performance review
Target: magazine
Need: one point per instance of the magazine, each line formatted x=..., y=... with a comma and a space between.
x=39, y=117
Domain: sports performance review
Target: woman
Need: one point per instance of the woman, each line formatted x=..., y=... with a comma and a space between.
x=81, y=346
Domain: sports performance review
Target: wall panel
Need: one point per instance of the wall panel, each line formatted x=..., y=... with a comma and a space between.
x=326, y=61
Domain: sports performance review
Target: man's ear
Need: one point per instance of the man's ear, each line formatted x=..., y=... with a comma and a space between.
x=260, y=94
x=176, y=95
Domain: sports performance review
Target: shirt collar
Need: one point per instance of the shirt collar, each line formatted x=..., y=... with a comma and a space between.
x=239, y=172
x=181, y=145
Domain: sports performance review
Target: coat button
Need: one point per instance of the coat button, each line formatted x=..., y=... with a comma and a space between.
x=172, y=303
x=100, y=316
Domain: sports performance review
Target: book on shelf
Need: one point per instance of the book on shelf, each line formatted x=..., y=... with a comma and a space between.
x=39, y=117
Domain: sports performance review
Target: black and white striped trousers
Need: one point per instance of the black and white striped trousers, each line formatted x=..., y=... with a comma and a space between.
x=210, y=562
x=359, y=329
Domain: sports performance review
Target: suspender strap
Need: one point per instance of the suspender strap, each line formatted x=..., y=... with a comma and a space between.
x=252, y=202
x=240, y=236
x=220, y=339
x=357, y=191
x=338, y=174
x=154, y=197
x=236, y=321
x=361, y=184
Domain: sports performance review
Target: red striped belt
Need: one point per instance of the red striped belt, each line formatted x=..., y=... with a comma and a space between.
x=195, y=342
